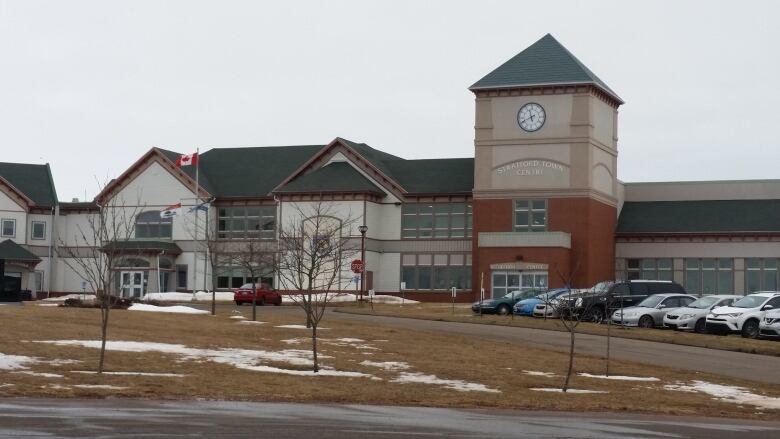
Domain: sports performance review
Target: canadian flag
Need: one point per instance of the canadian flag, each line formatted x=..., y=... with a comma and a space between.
x=187, y=159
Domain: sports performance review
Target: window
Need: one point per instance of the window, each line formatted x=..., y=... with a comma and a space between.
x=436, y=272
x=709, y=276
x=38, y=230
x=436, y=220
x=232, y=276
x=760, y=274
x=149, y=225
x=247, y=222
x=181, y=277
x=649, y=269
x=530, y=215
x=504, y=282
x=8, y=228
x=38, y=281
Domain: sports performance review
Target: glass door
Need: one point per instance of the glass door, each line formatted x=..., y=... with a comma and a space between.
x=132, y=284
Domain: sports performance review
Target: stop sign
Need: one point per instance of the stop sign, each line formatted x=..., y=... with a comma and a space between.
x=357, y=266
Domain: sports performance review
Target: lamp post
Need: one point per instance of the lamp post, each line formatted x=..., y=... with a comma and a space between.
x=363, y=229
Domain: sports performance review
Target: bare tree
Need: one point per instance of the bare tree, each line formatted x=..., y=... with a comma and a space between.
x=95, y=250
x=314, y=247
x=255, y=258
x=572, y=309
x=207, y=237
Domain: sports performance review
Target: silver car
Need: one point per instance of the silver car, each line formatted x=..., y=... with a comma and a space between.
x=770, y=325
x=650, y=312
x=693, y=317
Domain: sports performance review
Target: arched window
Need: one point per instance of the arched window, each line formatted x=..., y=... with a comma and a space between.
x=149, y=225
x=132, y=262
x=166, y=263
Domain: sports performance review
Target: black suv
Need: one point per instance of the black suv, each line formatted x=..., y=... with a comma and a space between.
x=606, y=297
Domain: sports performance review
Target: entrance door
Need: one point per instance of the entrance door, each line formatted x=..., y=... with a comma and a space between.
x=132, y=284
x=505, y=282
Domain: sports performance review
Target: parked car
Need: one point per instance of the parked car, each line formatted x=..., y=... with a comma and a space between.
x=264, y=295
x=551, y=308
x=744, y=316
x=650, y=312
x=693, y=317
x=503, y=305
x=605, y=297
x=526, y=307
x=770, y=325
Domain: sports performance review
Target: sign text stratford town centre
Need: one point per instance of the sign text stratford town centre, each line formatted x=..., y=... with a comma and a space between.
x=529, y=167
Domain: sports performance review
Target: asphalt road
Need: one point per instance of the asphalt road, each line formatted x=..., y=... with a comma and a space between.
x=753, y=367
x=119, y=418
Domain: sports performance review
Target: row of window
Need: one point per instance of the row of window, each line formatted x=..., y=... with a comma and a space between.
x=246, y=222
x=436, y=272
x=8, y=229
x=708, y=275
x=440, y=220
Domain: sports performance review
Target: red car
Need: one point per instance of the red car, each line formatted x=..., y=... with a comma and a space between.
x=264, y=295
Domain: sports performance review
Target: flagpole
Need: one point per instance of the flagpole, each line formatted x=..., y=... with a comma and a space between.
x=195, y=250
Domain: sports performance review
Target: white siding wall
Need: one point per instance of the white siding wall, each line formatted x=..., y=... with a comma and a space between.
x=10, y=210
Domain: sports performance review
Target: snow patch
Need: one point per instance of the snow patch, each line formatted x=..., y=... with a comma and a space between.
x=618, y=377
x=239, y=358
x=48, y=304
x=40, y=374
x=539, y=373
x=387, y=365
x=296, y=327
x=251, y=322
x=177, y=309
x=238, y=317
x=734, y=394
x=200, y=296
x=546, y=389
x=61, y=299
x=11, y=362
x=145, y=374
x=295, y=340
x=462, y=386
x=98, y=386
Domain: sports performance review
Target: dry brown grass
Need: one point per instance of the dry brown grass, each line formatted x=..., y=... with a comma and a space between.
x=494, y=364
x=464, y=315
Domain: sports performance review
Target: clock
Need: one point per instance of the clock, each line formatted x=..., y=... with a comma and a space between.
x=531, y=117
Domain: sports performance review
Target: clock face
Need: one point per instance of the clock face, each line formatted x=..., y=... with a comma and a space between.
x=531, y=117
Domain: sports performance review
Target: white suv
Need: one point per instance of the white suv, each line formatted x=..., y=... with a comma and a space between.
x=770, y=326
x=744, y=315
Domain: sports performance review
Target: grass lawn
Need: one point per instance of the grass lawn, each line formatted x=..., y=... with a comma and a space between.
x=462, y=360
x=430, y=311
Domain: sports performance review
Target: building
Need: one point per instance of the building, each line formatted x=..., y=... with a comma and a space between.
x=538, y=205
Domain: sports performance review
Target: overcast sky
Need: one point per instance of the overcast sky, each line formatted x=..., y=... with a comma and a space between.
x=90, y=86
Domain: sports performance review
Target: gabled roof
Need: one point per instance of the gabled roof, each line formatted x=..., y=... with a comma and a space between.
x=434, y=176
x=702, y=216
x=11, y=251
x=251, y=172
x=334, y=177
x=34, y=181
x=546, y=62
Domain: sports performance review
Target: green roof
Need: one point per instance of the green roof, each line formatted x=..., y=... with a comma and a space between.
x=251, y=172
x=138, y=245
x=34, y=181
x=546, y=62
x=12, y=251
x=706, y=216
x=433, y=176
x=334, y=177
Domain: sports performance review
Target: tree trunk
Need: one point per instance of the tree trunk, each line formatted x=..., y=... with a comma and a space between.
x=571, y=362
x=254, y=302
x=314, y=348
x=106, y=306
x=609, y=327
x=213, y=301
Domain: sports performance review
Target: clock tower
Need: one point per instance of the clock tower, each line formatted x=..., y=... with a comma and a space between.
x=545, y=173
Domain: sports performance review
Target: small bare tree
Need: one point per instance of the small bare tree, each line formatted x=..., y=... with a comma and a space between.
x=572, y=309
x=255, y=258
x=314, y=247
x=95, y=250
x=207, y=237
